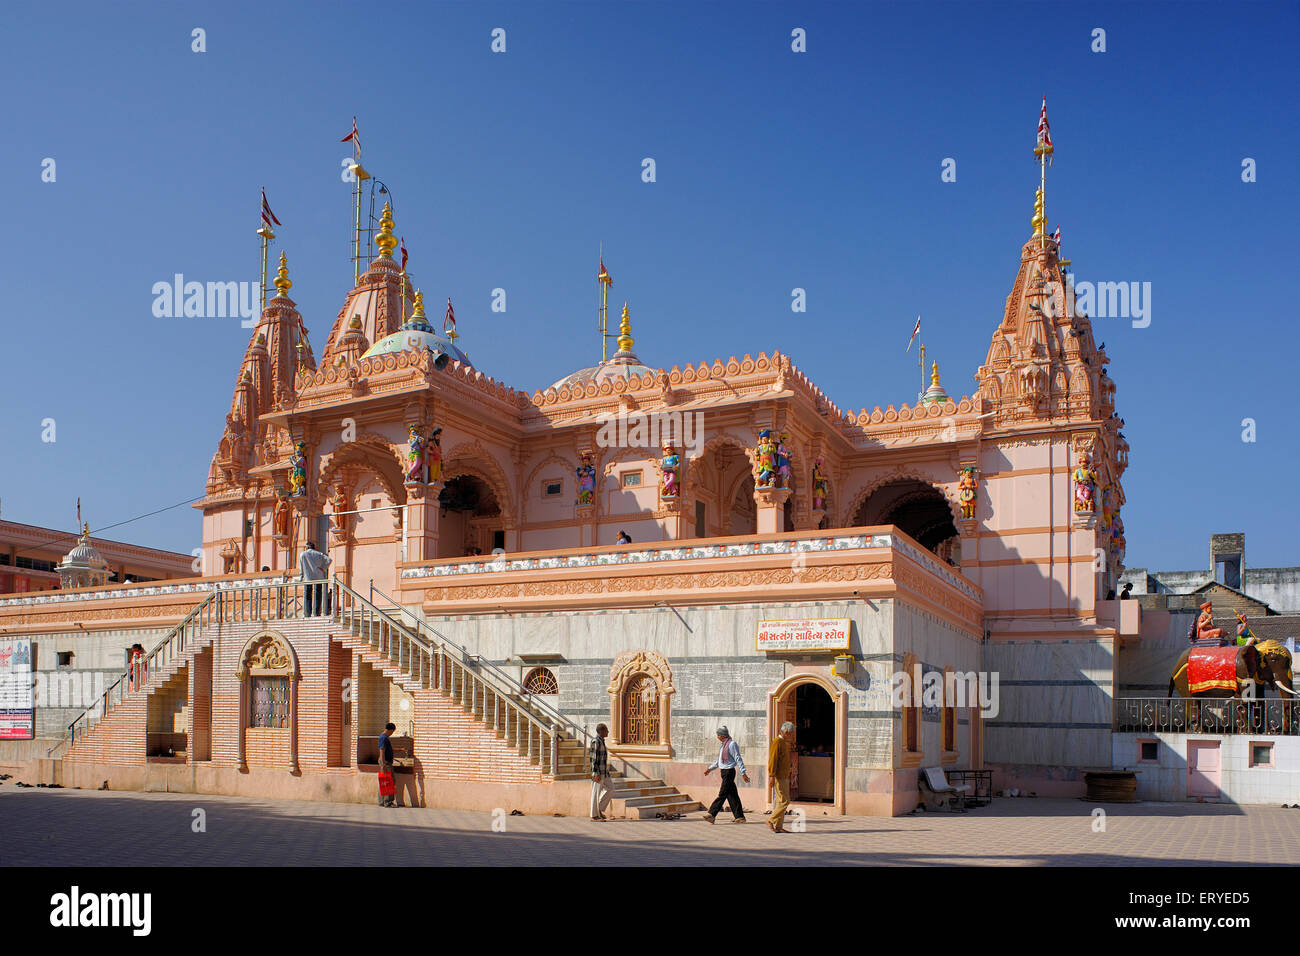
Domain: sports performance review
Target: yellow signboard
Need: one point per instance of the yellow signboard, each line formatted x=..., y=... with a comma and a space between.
x=831, y=634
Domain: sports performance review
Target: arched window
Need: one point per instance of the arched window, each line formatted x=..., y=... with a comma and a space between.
x=911, y=743
x=640, y=691
x=268, y=701
x=641, y=711
x=540, y=680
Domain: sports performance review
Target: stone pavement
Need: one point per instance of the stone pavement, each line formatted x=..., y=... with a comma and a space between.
x=89, y=828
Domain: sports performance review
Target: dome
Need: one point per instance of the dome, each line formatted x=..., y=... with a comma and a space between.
x=414, y=339
x=83, y=566
x=607, y=371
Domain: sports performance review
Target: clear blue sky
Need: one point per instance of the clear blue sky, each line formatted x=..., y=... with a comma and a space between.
x=775, y=170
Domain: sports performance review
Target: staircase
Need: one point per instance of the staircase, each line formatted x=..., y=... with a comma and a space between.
x=643, y=799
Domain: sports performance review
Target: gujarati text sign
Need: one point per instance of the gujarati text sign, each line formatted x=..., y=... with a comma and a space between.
x=831, y=634
x=17, y=708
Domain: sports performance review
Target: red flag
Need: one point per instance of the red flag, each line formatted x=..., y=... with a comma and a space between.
x=915, y=330
x=450, y=320
x=1056, y=237
x=403, y=253
x=78, y=512
x=355, y=138
x=268, y=217
x=1044, y=145
x=603, y=274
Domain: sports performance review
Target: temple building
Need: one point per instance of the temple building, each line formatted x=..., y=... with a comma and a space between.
x=861, y=573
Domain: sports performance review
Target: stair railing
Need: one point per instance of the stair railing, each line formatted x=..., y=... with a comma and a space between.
x=481, y=689
x=172, y=646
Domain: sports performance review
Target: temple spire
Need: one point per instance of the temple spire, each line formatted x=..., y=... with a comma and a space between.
x=625, y=331
x=282, y=283
x=386, y=241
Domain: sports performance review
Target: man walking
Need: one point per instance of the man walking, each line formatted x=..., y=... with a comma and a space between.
x=728, y=762
x=778, y=775
x=314, y=566
x=602, y=787
x=386, y=767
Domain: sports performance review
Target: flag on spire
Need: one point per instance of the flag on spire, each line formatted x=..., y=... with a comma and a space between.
x=449, y=323
x=603, y=275
x=355, y=138
x=1056, y=238
x=403, y=247
x=915, y=330
x=1044, y=145
x=78, y=512
x=268, y=217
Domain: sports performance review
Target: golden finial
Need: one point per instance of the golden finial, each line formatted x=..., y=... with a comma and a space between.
x=354, y=323
x=625, y=331
x=934, y=375
x=1039, y=222
x=282, y=283
x=85, y=530
x=385, y=240
x=418, y=309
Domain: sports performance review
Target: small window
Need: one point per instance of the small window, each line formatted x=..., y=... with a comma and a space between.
x=553, y=489
x=1148, y=751
x=65, y=658
x=630, y=479
x=1261, y=755
x=540, y=680
x=270, y=702
x=374, y=504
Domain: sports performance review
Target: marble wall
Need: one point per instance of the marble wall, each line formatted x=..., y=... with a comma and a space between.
x=1239, y=782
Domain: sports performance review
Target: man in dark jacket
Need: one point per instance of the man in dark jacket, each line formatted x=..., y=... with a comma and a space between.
x=386, y=761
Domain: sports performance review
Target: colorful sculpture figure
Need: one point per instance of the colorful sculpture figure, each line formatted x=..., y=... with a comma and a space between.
x=416, y=469
x=1117, y=542
x=1244, y=634
x=783, y=472
x=1085, y=485
x=765, y=459
x=586, y=475
x=670, y=463
x=820, y=486
x=298, y=470
x=1207, y=635
x=967, y=491
x=280, y=526
x=1105, y=509
x=340, y=504
x=433, y=452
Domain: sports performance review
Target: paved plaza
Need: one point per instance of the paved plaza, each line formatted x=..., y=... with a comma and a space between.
x=75, y=827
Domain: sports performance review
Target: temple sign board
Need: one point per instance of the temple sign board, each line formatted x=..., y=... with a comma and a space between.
x=830, y=634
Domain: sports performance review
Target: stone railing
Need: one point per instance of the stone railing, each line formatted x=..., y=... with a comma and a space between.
x=807, y=565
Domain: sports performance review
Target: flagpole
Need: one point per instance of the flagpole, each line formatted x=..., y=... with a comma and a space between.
x=921, y=393
x=267, y=235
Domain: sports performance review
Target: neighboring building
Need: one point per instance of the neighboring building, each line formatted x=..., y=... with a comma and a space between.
x=30, y=558
x=1279, y=588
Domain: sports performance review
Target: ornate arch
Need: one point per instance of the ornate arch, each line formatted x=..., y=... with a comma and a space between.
x=471, y=458
x=839, y=698
x=628, y=667
x=371, y=453
x=947, y=489
x=267, y=654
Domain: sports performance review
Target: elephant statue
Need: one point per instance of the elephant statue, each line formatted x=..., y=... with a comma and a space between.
x=1257, y=667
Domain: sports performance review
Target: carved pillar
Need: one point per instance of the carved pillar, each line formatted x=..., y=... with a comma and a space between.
x=422, y=521
x=243, y=723
x=771, y=509
x=293, y=724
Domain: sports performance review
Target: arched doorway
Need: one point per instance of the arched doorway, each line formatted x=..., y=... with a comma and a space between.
x=469, y=517
x=919, y=509
x=722, y=487
x=819, y=712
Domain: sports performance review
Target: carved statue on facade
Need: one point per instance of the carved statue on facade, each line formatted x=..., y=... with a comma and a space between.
x=765, y=460
x=783, y=461
x=339, y=502
x=298, y=470
x=280, y=521
x=968, y=491
x=1085, y=485
x=433, y=451
x=417, y=471
x=586, y=475
x=670, y=463
x=820, y=486
x=1117, y=542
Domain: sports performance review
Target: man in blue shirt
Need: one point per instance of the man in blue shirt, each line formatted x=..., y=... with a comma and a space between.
x=386, y=761
x=728, y=762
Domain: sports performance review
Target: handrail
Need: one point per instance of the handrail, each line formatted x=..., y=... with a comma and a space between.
x=484, y=676
x=480, y=663
x=104, y=704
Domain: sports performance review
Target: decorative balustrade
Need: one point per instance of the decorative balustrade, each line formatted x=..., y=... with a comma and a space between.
x=1207, y=715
